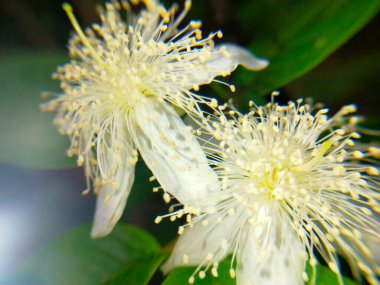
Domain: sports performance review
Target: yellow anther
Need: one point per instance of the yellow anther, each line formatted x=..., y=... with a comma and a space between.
x=214, y=103
x=358, y=154
x=158, y=220
x=181, y=229
x=372, y=171
x=80, y=160
x=188, y=5
x=353, y=120
x=85, y=192
x=195, y=24
x=374, y=151
x=350, y=142
x=355, y=135
x=214, y=272
x=166, y=198
x=198, y=35
x=149, y=4
x=348, y=109
x=340, y=132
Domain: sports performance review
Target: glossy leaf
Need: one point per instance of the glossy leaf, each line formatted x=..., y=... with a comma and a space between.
x=353, y=79
x=127, y=256
x=326, y=277
x=28, y=137
x=297, y=36
x=181, y=275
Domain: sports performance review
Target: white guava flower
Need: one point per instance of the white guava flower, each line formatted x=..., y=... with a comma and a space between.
x=118, y=99
x=293, y=182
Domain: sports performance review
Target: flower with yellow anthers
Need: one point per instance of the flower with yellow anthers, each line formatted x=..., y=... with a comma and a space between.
x=293, y=182
x=119, y=94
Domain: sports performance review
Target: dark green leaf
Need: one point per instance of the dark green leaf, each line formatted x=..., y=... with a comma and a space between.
x=28, y=137
x=127, y=256
x=181, y=275
x=349, y=81
x=297, y=36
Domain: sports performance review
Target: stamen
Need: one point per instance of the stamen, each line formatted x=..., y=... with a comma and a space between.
x=325, y=147
x=149, y=4
x=70, y=14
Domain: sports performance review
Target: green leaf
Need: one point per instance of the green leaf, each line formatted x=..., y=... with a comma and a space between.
x=297, y=36
x=127, y=256
x=326, y=277
x=343, y=83
x=181, y=275
x=28, y=137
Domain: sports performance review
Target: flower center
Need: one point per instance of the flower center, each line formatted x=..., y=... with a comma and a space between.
x=279, y=174
x=277, y=183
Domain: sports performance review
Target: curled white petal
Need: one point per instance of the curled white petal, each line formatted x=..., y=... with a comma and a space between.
x=221, y=62
x=112, y=198
x=204, y=243
x=172, y=153
x=238, y=55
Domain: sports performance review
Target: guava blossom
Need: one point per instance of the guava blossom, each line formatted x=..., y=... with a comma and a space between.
x=293, y=182
x=118, y=97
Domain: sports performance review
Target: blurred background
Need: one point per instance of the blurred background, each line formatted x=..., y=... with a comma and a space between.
x=329, y=51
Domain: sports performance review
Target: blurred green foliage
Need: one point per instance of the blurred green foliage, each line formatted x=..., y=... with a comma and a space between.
x=28, y=137
x=127, y=256
x=297, y=37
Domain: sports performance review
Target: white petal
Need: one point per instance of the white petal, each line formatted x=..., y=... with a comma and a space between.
x=172, y=153
x=198, y=242
x=270, y=253
x=111, y=202
x=239, y=55
x=207, y=140
x=224, y=59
